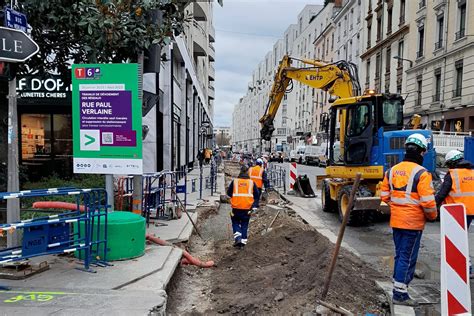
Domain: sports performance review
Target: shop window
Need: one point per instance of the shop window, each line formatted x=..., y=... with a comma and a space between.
x=46, y=144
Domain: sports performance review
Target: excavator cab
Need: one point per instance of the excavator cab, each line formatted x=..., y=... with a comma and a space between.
x=359, y=123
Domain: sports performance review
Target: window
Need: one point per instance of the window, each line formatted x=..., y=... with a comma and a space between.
x=422, y=4
x=462, y=20
x=392, y=112
x=379, y=29
x=358, y=119
x=339, y=32
x=332, y=41
x=301, y=25
x=402, y=12
x=369, y=35
x=367, y=75
x=437, y=79
x=421, y=40
x=377, y=66
x=439, y=42
x=388, y=59
x=389, y=20
x=459, y=69
x=419, y=87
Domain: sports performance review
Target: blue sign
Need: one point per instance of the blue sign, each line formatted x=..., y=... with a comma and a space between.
x=15, y=20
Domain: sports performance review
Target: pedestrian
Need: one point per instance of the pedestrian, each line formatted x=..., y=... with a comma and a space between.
x=407, y=187
x=458, y=186
x=259, y=176
x=207, y=155
x=200, y=157
x=243, y=195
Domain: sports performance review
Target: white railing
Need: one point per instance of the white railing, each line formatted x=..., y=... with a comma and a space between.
x=446, y=141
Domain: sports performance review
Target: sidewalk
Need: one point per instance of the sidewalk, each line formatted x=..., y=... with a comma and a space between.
x=132, y=287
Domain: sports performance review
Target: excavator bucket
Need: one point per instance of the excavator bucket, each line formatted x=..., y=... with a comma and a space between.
x=303, y=187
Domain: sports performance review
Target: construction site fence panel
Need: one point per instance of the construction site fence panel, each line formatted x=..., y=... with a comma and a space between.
x=276, y=177
x=77, y=230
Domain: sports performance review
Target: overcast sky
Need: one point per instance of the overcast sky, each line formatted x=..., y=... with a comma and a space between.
x=245, y=31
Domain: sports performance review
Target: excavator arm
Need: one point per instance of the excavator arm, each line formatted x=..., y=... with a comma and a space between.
x=340, y=79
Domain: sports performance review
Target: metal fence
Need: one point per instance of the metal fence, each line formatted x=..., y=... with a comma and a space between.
x=276, y=177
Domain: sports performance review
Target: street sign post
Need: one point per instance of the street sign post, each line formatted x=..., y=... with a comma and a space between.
x=15, y=20
x=107, y=119
x=16, y=46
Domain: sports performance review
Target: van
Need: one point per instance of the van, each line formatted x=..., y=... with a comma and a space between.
x=311, y=155
x=300, y=153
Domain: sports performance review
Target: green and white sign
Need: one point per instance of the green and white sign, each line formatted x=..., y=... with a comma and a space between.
x=107, y=119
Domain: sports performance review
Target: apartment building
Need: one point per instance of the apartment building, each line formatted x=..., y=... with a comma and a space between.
x=181, y=83
x=440, y=83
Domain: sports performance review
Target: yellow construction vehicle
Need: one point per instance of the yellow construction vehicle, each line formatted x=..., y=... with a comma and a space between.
x=365, y=131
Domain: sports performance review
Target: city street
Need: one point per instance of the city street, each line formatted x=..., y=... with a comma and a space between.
x=373, y=243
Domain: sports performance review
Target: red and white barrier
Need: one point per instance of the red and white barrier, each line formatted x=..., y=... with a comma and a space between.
x=455, y=288
x=293, y=174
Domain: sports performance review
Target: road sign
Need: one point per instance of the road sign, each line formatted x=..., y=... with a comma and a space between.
x=107, y=119
x=16, y=46
x=15, y=20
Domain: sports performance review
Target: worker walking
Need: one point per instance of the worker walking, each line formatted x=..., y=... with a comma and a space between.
x=258, y=175
x=458, y=186
x=244, y=196
x=407, y=188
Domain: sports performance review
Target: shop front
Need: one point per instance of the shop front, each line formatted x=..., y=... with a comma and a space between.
x=45, y=126
x=461, y=120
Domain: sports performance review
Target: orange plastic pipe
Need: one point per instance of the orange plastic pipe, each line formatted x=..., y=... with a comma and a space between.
x=188, y=259
x=57, y=204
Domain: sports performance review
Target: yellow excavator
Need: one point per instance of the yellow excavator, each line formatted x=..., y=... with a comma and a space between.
x=366, y=133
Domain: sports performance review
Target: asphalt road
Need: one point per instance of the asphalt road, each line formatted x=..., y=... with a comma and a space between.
x=374, y=242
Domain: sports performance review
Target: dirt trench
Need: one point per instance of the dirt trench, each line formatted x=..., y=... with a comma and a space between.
x=278, y=273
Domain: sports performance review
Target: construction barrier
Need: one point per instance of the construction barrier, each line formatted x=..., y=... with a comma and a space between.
x=77, y=230
x=455, y=288
x=276, y=177
x=293, y=174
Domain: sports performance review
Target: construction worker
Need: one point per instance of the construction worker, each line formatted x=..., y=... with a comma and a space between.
x=458, y=186
x=244, y=196
x=407, y=188
x=258, y=174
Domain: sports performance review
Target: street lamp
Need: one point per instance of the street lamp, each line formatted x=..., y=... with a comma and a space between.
x=404, y=59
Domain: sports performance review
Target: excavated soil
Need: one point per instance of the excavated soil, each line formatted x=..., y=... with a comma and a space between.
x=280, y=272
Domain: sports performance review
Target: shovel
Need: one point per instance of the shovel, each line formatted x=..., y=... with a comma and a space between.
x=269, y=228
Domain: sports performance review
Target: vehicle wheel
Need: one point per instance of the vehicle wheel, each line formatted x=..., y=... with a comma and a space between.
x=328, y=204
x=356, y=218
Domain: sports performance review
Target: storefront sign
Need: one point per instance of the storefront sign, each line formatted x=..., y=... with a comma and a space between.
x=107, y=119
x=52, y=87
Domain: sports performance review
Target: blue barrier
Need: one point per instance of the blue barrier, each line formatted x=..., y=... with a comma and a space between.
x=57, y=233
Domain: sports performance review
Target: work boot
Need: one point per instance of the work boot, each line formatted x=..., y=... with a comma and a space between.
x=408, y=302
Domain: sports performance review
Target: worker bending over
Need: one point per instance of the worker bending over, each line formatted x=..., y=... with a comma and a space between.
x=244, y=196
x=458, y=186
x=258, y=175
x=407, y=188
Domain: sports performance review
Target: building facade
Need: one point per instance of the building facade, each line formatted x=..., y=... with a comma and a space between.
x=440, y=83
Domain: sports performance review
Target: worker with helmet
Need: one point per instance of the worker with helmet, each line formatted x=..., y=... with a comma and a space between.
x=407, y=188
x=244, y=196
x=259, y=176
x=458, y=186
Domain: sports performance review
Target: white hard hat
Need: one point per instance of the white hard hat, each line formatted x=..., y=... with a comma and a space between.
x=454, y=155
x=259, y=161
x=417, y=139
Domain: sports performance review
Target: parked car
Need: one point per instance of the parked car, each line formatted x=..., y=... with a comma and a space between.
x=276, y=157
x=311, y=155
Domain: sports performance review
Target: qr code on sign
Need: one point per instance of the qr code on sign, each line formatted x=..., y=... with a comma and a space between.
x=107, y=138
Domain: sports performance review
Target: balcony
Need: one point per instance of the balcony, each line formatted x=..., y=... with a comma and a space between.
x=460, y=34
x=212, y=73
x=436, y=97
x=211, y=93
x=200, y=9
x=212, y=53
x=457, y=93
x=439, y=45
x=199, y=42
x=419, y=54
x=212, y=34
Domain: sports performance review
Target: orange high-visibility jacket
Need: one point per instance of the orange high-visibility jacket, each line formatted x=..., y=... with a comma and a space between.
x=462, y=190
x=407, y=188
x=242, y=197
x=256, y=174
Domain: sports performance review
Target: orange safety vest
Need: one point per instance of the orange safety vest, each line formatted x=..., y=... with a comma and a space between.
x=256, y=174
x=462, y=190
x=242, y=196
x=407, y=188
